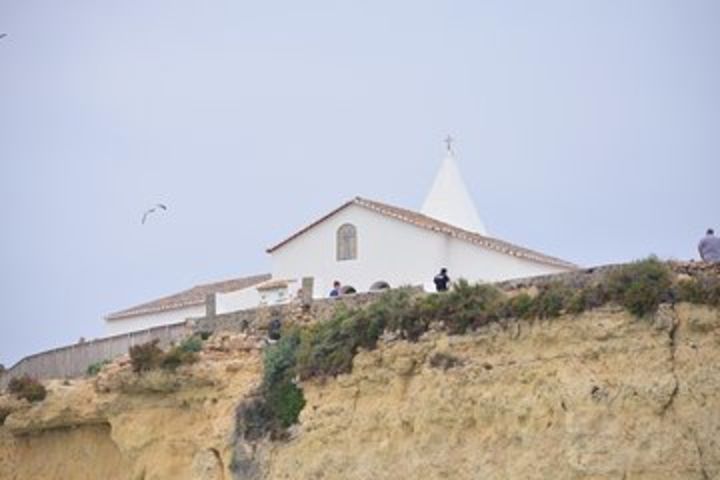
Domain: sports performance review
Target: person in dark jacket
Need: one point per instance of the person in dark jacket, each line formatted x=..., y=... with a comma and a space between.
x=441, y=280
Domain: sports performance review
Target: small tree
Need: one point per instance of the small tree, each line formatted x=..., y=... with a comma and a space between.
x=28, y=388
x=640, y=286
x=145, y=356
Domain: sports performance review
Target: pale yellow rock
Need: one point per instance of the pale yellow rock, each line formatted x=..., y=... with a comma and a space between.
x=600, y=396
x=596, y=396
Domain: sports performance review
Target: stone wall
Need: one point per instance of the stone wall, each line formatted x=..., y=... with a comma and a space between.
x=582, y=277
x=72, y=360
x=255, y=319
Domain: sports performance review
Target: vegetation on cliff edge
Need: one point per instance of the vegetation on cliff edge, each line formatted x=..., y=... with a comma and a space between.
x=28, y=388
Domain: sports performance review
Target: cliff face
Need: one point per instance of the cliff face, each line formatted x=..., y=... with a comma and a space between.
x=121, y=426
x=599, y=396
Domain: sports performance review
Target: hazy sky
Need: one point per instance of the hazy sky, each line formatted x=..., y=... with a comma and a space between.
x=588, y=130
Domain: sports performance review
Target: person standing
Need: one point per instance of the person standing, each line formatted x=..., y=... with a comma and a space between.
x=709, y=247
x=441, y=280
x=335, y=292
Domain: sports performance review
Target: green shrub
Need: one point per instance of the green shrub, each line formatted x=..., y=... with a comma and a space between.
x=550, y=301
x=518, y=306
x=192, y=344
x=640, y=286
x=205, y=334
x=327, y=348
x=149, y=356
x=392, y=311
x=95, y=368
x=28, y=388
x=175, y=357
x=469, y=306
x=145, y=356
x=285, y=401
x=279, y=360
x=280, y=400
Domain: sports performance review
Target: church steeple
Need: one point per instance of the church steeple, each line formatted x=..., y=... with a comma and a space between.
x=449, y=200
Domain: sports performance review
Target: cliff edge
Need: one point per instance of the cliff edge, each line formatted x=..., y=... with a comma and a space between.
x=601, y=394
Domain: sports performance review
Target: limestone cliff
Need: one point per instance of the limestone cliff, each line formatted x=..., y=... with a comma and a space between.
x=601, y=395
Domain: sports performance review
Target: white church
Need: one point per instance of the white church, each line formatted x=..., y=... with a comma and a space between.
x=366, y=245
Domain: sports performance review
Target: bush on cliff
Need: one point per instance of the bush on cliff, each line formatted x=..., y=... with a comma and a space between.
x=470, y=306
x=517, y=306
x=550, y=301
x=192, y=344
x=279, y=400
x=328, y=348
x=145, y=356
x=392, y=311
x=175, y=357
x=641, y=286
x=28, y=388
x=148, y=356
x=95, y=368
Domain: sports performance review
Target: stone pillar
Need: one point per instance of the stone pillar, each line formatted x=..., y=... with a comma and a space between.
x=307, y=290
x=210, y=305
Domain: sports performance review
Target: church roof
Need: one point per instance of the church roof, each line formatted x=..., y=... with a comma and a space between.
x=449, y=200
x=191, y=297
x=424, y=221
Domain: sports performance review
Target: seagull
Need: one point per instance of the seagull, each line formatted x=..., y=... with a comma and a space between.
x=151, y=210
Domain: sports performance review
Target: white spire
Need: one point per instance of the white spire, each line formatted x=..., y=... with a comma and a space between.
x=449, y=200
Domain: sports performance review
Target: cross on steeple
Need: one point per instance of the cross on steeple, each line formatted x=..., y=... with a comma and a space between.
x=449, y=200
x=448, y=141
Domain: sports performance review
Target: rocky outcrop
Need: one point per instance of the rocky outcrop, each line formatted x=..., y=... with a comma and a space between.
x=602, y=395
x=124, y=426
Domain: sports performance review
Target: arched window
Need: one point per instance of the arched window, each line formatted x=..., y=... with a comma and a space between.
x=346, y=242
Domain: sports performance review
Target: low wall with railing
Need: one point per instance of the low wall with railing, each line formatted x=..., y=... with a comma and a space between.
x=73, y=360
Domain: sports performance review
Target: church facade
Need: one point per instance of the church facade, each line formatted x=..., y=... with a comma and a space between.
x=366, y=245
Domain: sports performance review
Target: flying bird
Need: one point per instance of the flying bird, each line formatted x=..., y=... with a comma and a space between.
x=3, y=35
x=152, y=210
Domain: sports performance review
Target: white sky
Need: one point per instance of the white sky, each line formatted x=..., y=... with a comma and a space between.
x=588, y=130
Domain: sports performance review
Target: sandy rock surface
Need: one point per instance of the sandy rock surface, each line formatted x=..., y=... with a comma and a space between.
x=599, y=396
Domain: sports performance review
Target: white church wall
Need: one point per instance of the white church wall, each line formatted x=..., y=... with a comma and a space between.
x=141, y=322
x=474, y=263
x=387, y=249
x=395, y=252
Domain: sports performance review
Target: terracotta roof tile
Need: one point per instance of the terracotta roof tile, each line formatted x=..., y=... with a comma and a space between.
x=429, y=223
x=191, y=297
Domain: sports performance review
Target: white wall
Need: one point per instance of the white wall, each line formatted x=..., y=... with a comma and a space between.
x=277, y=296
x=474, y=263
x=141, y=322
x=238, y=300
x=388, y=250
x=394, y=251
